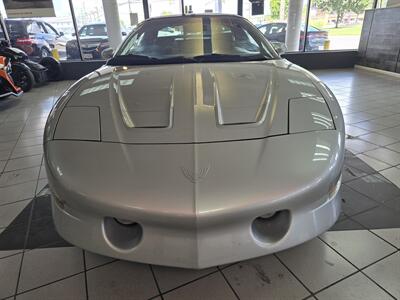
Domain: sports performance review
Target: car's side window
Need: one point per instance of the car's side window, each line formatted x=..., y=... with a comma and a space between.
x=33, y=28
x=135, y=44
x=83, y=30
x=50, y=29
x=265, y=29
x=42, y=28
x=275, y=29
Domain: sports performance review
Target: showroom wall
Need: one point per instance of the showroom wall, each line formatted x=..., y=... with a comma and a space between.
x=380, y=40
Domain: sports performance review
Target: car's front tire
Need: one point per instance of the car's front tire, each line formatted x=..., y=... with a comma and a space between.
x=44, y=52
x=22, y=76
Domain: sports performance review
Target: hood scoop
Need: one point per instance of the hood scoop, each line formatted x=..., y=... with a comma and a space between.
x=143, y=103
x=241, y=96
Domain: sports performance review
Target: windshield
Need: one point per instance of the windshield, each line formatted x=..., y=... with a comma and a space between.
x=93, y=30
x=193, y=39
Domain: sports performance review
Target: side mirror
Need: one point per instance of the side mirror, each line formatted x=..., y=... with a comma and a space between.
x=107, y=53
x=279, y=47
x=73, y=34
x=61, y=33
x=124, y=33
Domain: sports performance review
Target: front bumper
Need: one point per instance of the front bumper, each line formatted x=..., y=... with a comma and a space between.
x=202, y=248
x=197, y=222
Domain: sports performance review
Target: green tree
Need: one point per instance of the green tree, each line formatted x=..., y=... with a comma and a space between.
x=358, y=6
x=275, y=6
x=340, y=7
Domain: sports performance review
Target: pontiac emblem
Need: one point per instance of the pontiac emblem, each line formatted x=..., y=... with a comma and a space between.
x=195, y=177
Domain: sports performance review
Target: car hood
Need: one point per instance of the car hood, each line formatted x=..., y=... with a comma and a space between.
x=193, y=103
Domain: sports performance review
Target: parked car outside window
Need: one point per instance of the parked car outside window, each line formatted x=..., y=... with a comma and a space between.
x=276, y=32
x=35, y=37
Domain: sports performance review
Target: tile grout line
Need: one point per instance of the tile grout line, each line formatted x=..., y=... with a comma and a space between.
x=367, y=196
x=27, y=234
x=29, y=220
x=294, y=275
x=370, y=230
x=14, y=184
x=156, y=282
x=49, y=283
x=17, y=201
x=228, y=283
x=85, y=274
x=189, y=282
x=359, y=270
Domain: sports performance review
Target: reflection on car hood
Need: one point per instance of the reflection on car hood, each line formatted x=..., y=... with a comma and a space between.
x=188, y=103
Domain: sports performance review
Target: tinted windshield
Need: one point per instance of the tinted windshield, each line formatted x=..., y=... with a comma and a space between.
x=194, y=39
x=93, y=30
x=17, y=28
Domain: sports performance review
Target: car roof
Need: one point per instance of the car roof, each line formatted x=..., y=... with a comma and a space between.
x=272, y=23
x=95, y=24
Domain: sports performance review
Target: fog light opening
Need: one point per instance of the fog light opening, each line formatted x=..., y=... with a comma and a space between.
x=271, y=227
x=125, y=222
x=122, y=234
x=268, y=215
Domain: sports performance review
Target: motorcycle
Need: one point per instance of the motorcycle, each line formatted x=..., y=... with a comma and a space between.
x=26, y=72
x=7, y=85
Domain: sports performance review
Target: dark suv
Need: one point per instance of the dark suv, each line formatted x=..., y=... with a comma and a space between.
x=276, y=32
x=93, y=39
x=36, y=38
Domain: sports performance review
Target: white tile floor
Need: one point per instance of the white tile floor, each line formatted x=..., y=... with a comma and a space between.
x=361, y=263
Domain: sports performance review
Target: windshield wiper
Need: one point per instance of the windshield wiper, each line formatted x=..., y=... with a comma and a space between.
x=137, y=59
x=177, y=59
x=218, y=57
x=215, y=57
x=131, y=59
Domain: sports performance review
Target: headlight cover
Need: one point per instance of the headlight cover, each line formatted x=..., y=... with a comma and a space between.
x=309, y=114
x=58, y=108
x=78, y=123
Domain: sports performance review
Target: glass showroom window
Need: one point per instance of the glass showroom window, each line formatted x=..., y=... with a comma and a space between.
x=130, y=14
x=273, y=21
x=92, y=30
x=41, y=37
x=387, y=3
x=336, y=24
x=211, y=6
x=164, y=7
x=92, y=27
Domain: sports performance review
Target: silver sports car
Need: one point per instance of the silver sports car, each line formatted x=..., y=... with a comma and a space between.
x=195, y=145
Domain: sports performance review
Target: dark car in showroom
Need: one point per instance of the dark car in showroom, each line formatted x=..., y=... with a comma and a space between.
x=36, y=38
x=93, y=39
x=276, y=32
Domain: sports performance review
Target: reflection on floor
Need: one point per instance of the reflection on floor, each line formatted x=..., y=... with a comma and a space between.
x=358, y=258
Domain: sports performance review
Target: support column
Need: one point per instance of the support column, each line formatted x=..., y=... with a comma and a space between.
x=282, y=10
x=294, y=25
x=112, y=22
x=218, y=6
